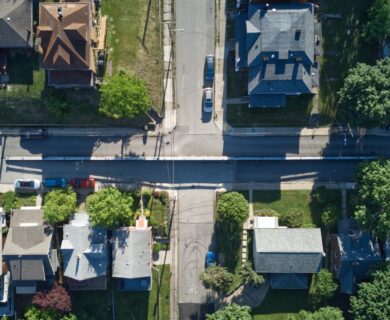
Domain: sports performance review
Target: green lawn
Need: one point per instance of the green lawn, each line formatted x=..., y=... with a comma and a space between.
x=283, y=201
x=134, y=40
x=343, y=47
x=97, y=305
x=25, y=200
x=278, y=303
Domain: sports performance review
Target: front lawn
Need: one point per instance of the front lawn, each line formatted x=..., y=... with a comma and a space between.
x=279, y=303
x=296, y=113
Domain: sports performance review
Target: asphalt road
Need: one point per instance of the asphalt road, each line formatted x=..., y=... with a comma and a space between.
x=200, y=145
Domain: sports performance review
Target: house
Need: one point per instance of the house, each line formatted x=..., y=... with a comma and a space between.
x=352, y=255
x=16, y=28
x=28, y=251
x=132, y=258
x=288, y=255
x=84, y=254
x=276, y=44
x=70, y=39
x=6, y=291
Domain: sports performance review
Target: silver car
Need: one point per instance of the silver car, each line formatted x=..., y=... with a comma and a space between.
x=27, y=184
x=208, y=100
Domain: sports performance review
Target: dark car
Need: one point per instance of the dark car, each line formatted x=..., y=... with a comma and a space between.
x=209, y=67
x=83, y=183
x=210, y=259
x=54, y=183
x=35, y=134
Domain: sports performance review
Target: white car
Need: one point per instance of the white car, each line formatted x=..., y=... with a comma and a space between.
x=27, y=184
x=208, y=100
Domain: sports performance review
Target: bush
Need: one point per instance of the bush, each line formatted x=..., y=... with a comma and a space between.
x=217, y=278
x=59, y=205
x=330, y=216
x=55, y=102
x=293, y=219
x=249, y=276
x=57, y=299
x=232, y=208
x=266, y=212
x=322, y=288
x=7, y=201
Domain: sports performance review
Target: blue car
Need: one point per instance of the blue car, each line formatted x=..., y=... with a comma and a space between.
x=55, y=183
x=210, y=259
x=210, y=67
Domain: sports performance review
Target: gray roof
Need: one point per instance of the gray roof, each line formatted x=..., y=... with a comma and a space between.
x=84, y=249
x=16, y=24
x=28, y=234
x=285, y=250
x=27, y=269
x=132, y=253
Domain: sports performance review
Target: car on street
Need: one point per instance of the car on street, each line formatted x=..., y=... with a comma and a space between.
x=208, y=100
x=27, y=184
x=210, y=259
x=83, y=183
x=209, y=67
x=34, y=134
x=54, y=182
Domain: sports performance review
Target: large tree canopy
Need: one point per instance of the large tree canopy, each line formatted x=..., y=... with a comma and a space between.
x=373, y=193
x=217, y=278
x=124, y=96
x=59, y=204
x=232, y=208
x=231, y=312
x=365, y=97
x=378, y=25
x=109, y=208
x=323, y=287
x=373, y=298
x=325, y=313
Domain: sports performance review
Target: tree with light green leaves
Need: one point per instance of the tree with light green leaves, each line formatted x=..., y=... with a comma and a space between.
x=124, y=96
x=217, y=278
x=378, y=25
x=249, y=276
x=364, y=98
x=59, y=204
x=323, y=288
x=231, y=312
x=372, y=300
x=232, y=208
x=110, y=208
x=326, y=313
x=373, y=193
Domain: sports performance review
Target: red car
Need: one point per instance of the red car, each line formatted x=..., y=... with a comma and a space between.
x=83, y=183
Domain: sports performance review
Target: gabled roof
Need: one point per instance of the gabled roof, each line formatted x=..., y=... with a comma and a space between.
x=28, y=235
x=84, y=249
x=288, y=250
x=132, y=253
x=16, y=24
x=65, y=32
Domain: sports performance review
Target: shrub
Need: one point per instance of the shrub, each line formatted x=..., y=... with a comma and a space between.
x=217, y=278
x=59, y=205
x=232, y=208
x=293, y=219
x=8, y=201
x=57, y=299
x=266, y=212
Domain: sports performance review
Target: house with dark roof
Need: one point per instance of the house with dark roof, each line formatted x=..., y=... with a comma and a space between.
x=85, y=254
x=66, y=36
x=132, y=258
x=28, y=251
x=352, y=255
x=287, y=255
x=16, y=29
x=275, y=43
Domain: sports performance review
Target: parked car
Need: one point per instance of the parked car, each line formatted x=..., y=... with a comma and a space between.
x=27, y=184
x=83, y=183
x=55, y=183
x=210, y=259
x=210, y=67
x=38, y=134
x=208, y=100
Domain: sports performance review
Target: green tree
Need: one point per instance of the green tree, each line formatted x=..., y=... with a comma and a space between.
x=231, y=312
x=109, y=208
x=59, y=205
x=232, y=208
x=330, y=216
x=292, y=219
x=34, y=313
x=365, y=95
x=323, y=288
x=378, y=24
x=250, y=276
x=372, y=300
x=373, y=194
x=326, y=313
x=124, y=96
x=217, y=278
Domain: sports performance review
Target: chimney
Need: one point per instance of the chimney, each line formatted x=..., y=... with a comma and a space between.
x=59, y=12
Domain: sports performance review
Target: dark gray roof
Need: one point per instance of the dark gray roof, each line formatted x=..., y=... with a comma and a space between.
x=84, y=249
x=132, y=253
x=28, y=234
x=27, y=269
x=287, y=250
x=16, y=24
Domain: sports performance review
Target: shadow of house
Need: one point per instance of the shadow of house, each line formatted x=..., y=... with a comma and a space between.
x=85, y=254
x=6, y=291
x=29, y=252
x=132, y=258
x=288, y=255
x=276, y=43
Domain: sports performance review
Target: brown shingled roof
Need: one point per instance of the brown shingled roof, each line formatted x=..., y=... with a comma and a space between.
x=65, y=29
